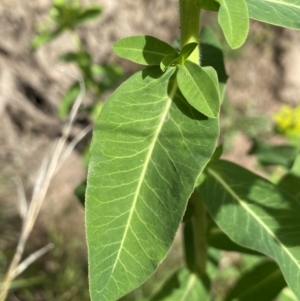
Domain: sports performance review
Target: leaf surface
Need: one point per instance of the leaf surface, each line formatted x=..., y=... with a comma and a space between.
x=212, y=55
x=200, y=88
x=182, y=286
x=263, y=282
x=149, y=147
x=144, y=50
x=234, y=21
x=277, y=12
x=287, y=295
x=255, y=214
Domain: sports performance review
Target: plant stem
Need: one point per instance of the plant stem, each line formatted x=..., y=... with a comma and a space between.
x=189, y=32
x=199, y=234
x=190, y=26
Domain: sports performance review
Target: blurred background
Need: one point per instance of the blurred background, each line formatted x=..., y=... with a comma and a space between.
x=44, y=47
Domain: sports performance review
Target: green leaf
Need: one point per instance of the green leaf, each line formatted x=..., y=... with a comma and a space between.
x=87, y=15
x=263, y=282
x=255, y=214
x=183, y=286
x=234, y=21
x=149, y=147
x=290, y=181
x=290, y=184
x=144, y=50
x=208, y=5
x=186, y=51
x=219, y=240
x=212, y=55
x=282, y=13
x=199, y=87
x=267, y=154
x=167, y=61
x=44, y=38
x=287, y=295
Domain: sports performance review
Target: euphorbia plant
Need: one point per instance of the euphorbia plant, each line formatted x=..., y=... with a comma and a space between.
x=154, y=163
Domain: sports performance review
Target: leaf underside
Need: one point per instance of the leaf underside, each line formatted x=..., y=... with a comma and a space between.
x=234, y=21
x=144, y=50
x=255, y=214
x=281, y=13
x=182, y=286
x=148, y=149
x=200, y=88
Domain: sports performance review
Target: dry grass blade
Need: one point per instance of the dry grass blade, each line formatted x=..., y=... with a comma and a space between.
x=22, y=203
x=45, y=175
x=31, y=259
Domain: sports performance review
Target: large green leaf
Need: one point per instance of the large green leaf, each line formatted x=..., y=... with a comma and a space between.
x=148, y=149
x=183, y=286
x=200, y=88
x=234, y=21
x=144, y=50
x=278, y=12
x=212, y=55
x=263, y=282
x=255, y=214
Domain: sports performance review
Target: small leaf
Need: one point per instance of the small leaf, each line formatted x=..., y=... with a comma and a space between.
x=199, y=87
x=263, y=282
x=87, y=15
x=267, y=154
x=167, y=61
x=285, y=13
x=69, y=57
x=44, y=38
x=144, y=50
x=183, y=286
x=212, y=55
x=208, y=5
x=234, y=21
x=186, y=51
x=255, y=214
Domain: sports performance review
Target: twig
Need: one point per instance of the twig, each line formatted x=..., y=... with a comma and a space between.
x=45, y=175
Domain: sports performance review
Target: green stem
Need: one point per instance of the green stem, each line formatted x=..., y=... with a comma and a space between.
x=190, y=26
x=189, y=32
x=199, y=234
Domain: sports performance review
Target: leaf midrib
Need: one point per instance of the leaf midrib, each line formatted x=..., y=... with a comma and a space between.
x=283, y=3
x=189, y=287
x=143, y=51
x=223, y=2
x=252, y=213
x=143, y=173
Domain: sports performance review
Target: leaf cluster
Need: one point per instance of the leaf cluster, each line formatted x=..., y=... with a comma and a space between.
x=65, y=15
